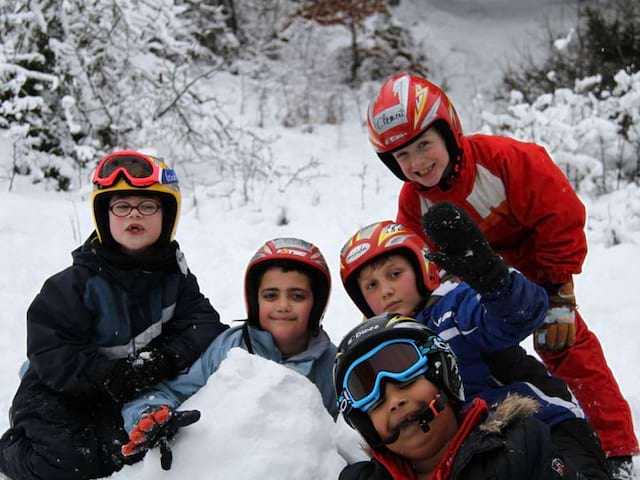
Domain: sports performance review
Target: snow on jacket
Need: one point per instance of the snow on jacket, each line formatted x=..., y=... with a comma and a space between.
x=521, y=200
x=315, y=363
x=485, y=331
x=502, y=443
x=91, y=314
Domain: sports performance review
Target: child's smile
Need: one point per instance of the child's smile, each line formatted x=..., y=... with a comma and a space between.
x=285, y=300
x=425, y=160
x=398, y=412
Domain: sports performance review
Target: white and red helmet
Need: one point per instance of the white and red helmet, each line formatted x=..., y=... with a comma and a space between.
x=293, y=250
x=384, y=238
x=405, y=107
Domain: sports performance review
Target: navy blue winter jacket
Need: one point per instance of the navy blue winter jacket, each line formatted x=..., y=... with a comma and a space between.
x=485, y=332
x=91, y=314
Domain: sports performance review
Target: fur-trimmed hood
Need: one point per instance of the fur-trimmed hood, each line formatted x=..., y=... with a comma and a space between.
x=506, y=412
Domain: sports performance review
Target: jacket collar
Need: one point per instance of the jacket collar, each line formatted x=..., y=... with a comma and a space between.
x=490, y=424
x=400, y=469
x=302, y=362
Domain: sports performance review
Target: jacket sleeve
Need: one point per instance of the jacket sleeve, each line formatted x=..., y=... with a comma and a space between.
x=542, y=199
x=532, y=454
x=194, y=325
x=174, y=392
x=500, y=320
x=60, y=346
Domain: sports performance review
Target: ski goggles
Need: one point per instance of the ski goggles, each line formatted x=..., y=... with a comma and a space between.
x=399, y=360
x=138, y=170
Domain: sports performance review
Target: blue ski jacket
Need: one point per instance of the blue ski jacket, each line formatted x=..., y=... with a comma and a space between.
x=315, y=363
x=485, y=331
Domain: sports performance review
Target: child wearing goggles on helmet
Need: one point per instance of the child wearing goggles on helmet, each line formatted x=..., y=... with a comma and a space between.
x=287, y=286
x=530, y=214
x=124, y=316
x=398, y=384
x=386, y=267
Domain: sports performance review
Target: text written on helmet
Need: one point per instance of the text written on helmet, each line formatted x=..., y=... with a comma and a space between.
x=363, y=332
x=357, y=252
x=390, y=118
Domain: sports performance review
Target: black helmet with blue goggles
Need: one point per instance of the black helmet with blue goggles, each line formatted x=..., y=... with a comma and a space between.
x=399, y=360
x=390, y=348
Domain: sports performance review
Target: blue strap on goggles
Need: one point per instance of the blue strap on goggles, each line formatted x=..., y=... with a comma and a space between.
x=399, y=360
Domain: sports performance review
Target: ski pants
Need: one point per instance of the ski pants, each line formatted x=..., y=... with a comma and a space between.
x=584, y=368
x=53, y=437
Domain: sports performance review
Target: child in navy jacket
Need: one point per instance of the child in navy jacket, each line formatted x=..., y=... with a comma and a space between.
x=127, y=314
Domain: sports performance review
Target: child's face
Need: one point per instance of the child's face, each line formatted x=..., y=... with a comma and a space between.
x=390, y=286
x=397, y=412
x=425, y=160
x=134, y=232
x=285, y=300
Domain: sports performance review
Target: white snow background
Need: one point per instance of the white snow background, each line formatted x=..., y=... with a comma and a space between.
x=260, y=420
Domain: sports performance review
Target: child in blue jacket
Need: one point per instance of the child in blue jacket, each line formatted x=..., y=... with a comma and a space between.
x=287, y=286
x=385, y=267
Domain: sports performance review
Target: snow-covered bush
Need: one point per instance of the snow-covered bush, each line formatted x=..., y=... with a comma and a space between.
x=604, y=40
x=81, y=77
x=594, y=139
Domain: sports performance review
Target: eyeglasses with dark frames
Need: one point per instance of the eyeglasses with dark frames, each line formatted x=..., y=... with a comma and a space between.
x=145, y=208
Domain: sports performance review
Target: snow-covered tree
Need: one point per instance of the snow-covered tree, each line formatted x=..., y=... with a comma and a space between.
x=81, y=77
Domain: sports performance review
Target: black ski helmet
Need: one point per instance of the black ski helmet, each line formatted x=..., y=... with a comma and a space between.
x=443, y=369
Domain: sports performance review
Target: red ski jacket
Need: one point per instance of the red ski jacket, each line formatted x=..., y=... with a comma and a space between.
x=522, y=201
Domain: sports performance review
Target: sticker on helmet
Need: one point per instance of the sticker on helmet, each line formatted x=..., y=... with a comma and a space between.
x=392, y=228
x=394, y=138
x=390, y=118
x=290, y=251
x=169, y=176
x=292, y=242
x=357, y=252
x=421, y=101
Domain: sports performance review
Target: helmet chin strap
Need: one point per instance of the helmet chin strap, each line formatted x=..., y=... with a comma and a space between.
x=436, y=406
x=424, y=418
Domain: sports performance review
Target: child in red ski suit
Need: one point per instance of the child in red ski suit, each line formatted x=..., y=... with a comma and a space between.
x=527, y=210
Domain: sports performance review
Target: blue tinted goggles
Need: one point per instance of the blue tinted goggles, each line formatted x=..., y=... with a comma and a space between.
x=399, y=360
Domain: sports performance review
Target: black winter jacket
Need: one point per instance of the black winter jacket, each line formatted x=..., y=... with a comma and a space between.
x=91, y=314
x=506, y=443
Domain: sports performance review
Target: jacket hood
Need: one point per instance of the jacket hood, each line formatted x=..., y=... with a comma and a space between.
x=512, y=408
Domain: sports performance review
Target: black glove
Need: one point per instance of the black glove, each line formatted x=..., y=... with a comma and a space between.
x=132, y=375
x=157, y=428
x=464, y=251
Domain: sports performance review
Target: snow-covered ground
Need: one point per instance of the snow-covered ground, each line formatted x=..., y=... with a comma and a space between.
x=260, y=420
x=39, y=230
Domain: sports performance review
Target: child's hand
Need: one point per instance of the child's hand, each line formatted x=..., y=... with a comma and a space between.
x=132, y=375
x=464, y=251
x=158, y=427
x=559, y=329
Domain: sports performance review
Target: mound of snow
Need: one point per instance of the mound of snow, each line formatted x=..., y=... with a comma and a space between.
x=259, y=420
